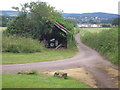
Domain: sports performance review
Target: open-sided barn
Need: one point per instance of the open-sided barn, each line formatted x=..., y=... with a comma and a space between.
x=58, y=37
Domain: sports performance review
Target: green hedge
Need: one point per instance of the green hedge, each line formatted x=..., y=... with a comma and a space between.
x=105, y=42
x=18, y=44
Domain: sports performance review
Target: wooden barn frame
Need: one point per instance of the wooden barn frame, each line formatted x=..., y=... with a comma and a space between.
x=58, y=37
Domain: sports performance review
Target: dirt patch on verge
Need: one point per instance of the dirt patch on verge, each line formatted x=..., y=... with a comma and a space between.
x=78, y=73
x=113, y=73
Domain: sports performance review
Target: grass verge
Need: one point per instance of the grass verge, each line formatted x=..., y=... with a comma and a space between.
x=39, y=81
x=45, y=55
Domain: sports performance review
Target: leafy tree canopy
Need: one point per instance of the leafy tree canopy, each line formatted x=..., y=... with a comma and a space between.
x=36, y=19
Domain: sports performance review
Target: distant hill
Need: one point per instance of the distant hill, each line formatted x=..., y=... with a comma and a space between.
x=97, y=17
x=8, y=13
x=96, y=14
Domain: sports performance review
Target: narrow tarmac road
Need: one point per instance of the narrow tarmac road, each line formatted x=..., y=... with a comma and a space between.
x=86, y=57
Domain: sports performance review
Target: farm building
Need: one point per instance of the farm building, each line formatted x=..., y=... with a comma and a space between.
x=89, y=25
x=58, y=37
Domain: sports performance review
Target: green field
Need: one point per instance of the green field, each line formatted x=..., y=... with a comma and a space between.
x=46, y=55
x=105, y=42
x=92, y=30
x=39, y=81
x=3, y=28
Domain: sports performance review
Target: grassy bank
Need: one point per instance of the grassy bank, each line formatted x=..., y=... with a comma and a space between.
x=39, y=81
x=105, y=42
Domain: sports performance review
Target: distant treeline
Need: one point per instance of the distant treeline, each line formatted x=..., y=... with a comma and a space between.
x=92, y=18
x=5, y=20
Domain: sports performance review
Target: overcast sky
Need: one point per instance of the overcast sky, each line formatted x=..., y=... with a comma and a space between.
x=70, y=6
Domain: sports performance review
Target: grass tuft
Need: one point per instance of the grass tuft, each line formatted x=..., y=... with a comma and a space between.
x=45, y=55
x=32, y=72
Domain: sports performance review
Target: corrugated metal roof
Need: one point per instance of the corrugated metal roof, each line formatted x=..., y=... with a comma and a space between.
x=61, y=27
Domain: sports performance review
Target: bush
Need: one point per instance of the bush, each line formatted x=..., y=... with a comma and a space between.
x=105, y=42
x=18, y=44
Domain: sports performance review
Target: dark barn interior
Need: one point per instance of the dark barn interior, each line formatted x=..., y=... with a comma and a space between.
x=58, y=37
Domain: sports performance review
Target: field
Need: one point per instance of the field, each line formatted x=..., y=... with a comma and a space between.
x=92, y=30
x=103, y=40
x=3, y=28
x=39, y=81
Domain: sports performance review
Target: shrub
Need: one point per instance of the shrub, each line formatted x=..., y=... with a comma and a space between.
x=105, y=42
x=18, y=44
x=32, y=72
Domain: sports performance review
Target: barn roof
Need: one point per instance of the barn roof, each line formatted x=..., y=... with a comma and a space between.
x=62, y=28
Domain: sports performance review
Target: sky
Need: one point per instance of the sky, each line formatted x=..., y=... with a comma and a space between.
x=70, y=6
